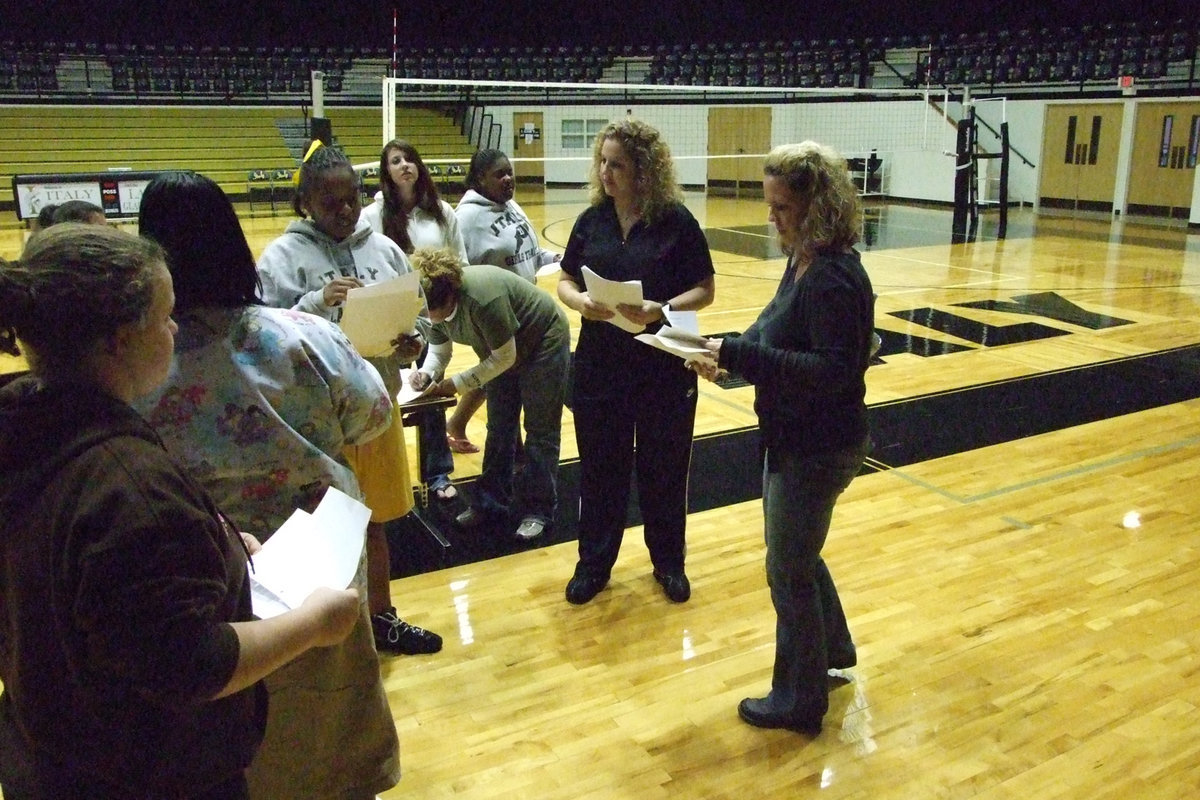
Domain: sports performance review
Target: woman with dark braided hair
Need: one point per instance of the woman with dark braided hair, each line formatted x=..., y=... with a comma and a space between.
x=311, y=267
x=130, y=658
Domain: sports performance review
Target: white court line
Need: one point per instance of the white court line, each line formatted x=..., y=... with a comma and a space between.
x=1137, y=455
x=883, y=291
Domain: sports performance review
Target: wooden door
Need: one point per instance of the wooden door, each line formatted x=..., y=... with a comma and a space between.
x=742, y=131
x=527, y=143
x=1079, y=155
x=1166, y=137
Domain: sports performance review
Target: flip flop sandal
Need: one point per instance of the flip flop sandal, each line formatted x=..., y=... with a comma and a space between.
x=461, y=446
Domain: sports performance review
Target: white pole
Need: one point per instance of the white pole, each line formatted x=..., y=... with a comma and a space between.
x=318, y=93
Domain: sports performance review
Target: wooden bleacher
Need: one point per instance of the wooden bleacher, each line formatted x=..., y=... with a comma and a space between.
x=228, y=144
x=435, y=136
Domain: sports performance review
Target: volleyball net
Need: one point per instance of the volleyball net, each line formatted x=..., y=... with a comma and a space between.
x=718, y=135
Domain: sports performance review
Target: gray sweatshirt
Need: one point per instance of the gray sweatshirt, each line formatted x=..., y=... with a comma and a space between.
x=501, y=235
x=295, y=267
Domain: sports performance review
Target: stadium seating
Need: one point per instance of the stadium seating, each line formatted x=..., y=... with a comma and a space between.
x=244, y=149
x=1163, y=52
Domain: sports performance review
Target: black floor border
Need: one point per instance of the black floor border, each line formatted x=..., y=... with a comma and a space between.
x=726, y=466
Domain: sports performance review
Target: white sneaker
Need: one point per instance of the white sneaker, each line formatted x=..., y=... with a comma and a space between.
x=530, y=528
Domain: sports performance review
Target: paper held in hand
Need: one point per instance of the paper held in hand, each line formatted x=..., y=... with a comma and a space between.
x=612, y=294
x=375, y=315
x=680, y=338
x=309, y=550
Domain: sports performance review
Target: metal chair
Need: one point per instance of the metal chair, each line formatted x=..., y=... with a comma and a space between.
x=258, y=181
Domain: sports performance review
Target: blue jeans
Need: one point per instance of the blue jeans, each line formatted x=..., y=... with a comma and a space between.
x=437, y=462
x=536, y=387
x=810, y=628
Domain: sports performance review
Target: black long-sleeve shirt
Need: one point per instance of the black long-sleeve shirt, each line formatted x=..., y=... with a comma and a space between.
x=807, y=356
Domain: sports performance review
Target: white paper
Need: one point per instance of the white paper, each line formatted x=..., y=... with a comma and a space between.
x=612, y=294
x=407, y=394
x=683, y=320
x=308, y=551
x=374, y=315
x=688, y=346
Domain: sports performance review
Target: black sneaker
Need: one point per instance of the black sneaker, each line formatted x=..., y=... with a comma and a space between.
x=394, y=635
x=675, y=585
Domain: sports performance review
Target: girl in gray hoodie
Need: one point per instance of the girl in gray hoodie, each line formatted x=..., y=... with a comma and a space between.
x=311, y=267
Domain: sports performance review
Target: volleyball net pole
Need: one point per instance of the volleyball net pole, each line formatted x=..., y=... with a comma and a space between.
x=969, y=190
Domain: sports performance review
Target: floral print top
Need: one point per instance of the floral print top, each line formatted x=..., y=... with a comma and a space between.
x=260, y=403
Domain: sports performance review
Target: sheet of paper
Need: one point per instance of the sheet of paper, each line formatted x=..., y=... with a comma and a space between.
x=375, y=315
x=612, y=294
x=683, y=320
x=688, y=346
x=308, y=551
x=407, y=394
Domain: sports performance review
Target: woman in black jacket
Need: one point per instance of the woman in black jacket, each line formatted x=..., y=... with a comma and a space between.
x=806, y=356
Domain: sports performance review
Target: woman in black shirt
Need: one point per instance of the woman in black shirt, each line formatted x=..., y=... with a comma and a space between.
x=633, y=404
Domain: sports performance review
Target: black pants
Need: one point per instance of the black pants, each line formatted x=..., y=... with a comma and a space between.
x=233, y=789
x=648, y=427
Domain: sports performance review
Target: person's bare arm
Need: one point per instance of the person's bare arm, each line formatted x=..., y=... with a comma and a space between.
x=325, y=618
x=577, y=299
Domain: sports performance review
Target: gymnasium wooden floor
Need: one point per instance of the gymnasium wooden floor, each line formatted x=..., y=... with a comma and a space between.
x=1019, y=636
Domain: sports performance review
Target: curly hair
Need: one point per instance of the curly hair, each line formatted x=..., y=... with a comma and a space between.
x=441, y=274
x=395, y=218
x=74, y=286
x=653, y=168
x=817, y=175
x=322, y=159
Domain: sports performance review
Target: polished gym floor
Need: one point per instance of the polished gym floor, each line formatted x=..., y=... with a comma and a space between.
x=1019, y=560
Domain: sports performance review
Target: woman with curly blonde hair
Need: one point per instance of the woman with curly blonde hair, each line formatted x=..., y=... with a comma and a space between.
x=650, y=157
x=633, y=404
x=523, y=343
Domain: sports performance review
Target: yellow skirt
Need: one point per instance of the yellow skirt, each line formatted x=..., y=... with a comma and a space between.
x=381, y=466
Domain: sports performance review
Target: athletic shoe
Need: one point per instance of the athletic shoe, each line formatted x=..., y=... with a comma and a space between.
x=394, y=635
x=530, y=528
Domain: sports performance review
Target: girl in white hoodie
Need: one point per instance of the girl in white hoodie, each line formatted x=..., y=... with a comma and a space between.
x=408, y=211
